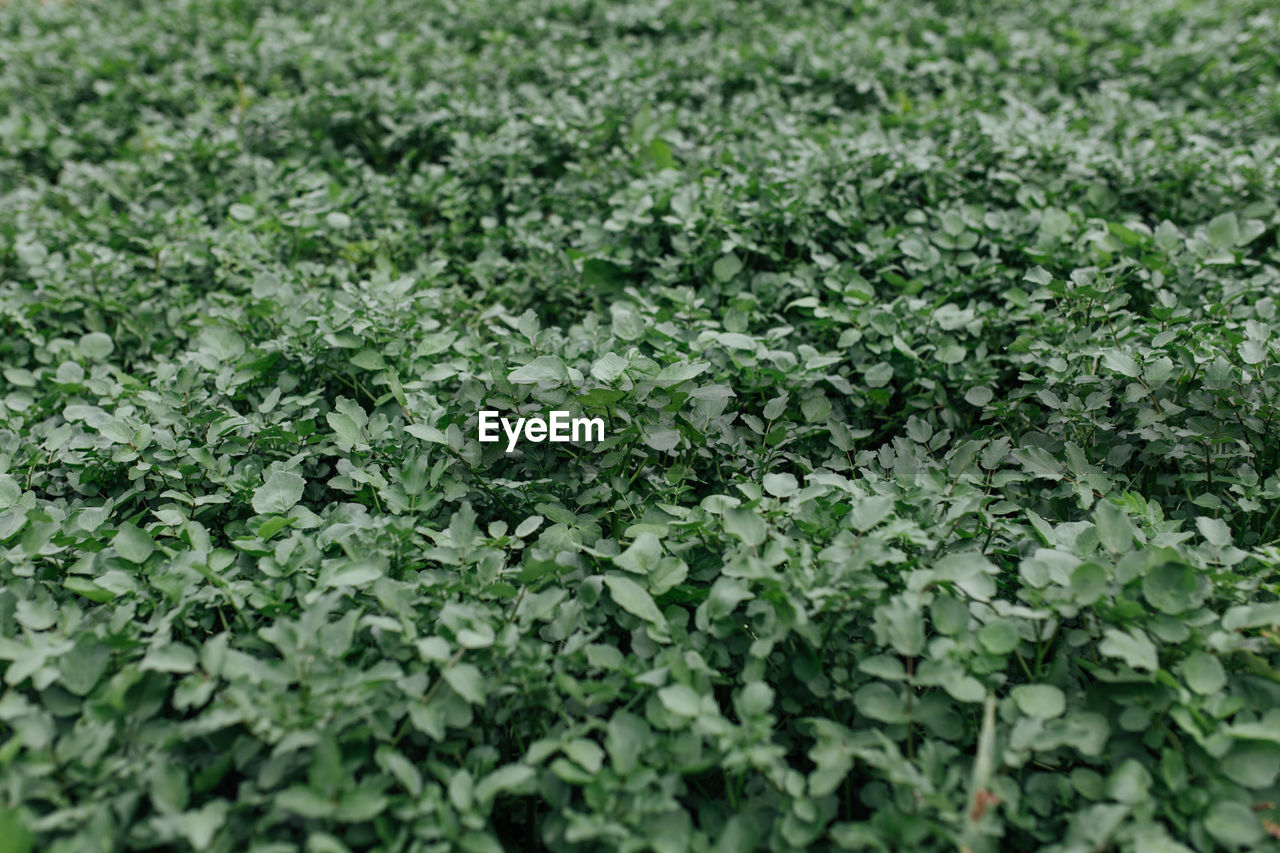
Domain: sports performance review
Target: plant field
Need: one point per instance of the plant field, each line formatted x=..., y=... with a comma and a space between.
x=937, y=351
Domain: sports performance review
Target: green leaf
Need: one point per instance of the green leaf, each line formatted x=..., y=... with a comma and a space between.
x=745, y=524
x=467, y=682
x=642, y=556
x=360, y=806
x=1129, y=783
x=281, y=491
x=171, y=657
x=609, y=367
x=970, y=572
x=96, y=346
x=348, y=431
x=627, y=324
x=674, y=374
x=1214, y=531
x=10, y=491
x=1233, y=824
x=903, y=626
x=781, y=485
x=528, y=526
x=738, y=341
x=1251, y=616
x=1172, y=587
x=544, y=368
x=631, y=597
x=82, y=668
x=88, y=589
x=726, y=267
x=15, y=837
x=680, y=700
x=950, y=352
x=1252, y=352
x=965, y=689
x=1224, y=230
x=1038, y=461
x=1089, y=582
x=879, y=701
x=222, y=343
x=866, y=513
x=979, y=396
x=878, y=375
x=272, y=526
x=1158, y=371
x=949, y=615
x=1133, y=647
x=755, y=700
x=626, y=738
x=509, y=778
x=1039, y=700
x=133, y=543
x=661, y=439
x=200, y=826
x=1121, y=363
x=305, y=802
x=1115, y=532
x=353, y=573
x=999, y=637
x=368, y=359
x=1204, y=674
x=775, y=407
x=1253, y=764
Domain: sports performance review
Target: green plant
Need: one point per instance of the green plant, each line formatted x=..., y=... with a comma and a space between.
x=936, y=508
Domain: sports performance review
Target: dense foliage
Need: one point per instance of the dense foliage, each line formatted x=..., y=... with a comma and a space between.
x=938, y=348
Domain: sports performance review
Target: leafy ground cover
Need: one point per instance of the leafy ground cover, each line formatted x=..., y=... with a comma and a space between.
x=937, y=344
